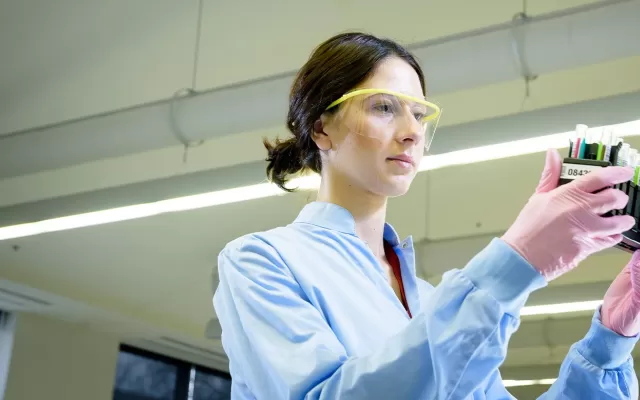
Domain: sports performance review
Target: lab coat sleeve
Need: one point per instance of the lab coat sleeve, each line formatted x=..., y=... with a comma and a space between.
x=496, y=389
x=450, y=348
x=597, y=367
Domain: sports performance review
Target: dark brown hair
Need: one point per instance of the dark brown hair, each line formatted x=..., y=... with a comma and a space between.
x=335, y=67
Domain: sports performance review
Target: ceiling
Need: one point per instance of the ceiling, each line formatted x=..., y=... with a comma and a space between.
x=149, y=280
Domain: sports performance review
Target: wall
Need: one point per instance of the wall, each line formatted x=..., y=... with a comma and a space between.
x=528, y=392
x=7, y=327
x=57, y=360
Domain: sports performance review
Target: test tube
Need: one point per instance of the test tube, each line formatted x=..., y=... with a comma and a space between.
x=632, y=158
x=572, y=143
x=615, y=149
x=581, y=132
x=593, y=145
x=636, y=171
x=623, y=155
x=607, y=142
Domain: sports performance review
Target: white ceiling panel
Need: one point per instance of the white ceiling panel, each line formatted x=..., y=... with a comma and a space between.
x=66, y=59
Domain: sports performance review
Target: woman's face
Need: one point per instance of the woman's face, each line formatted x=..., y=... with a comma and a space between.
x=374, y=141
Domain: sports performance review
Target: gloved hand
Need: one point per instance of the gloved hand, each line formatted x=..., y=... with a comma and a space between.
x=620, y=310
x=561, y=226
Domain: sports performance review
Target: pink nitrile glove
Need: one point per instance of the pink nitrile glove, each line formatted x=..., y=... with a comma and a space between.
x=561, y=226
x=620, y=310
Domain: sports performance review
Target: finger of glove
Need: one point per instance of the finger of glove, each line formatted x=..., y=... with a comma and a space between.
x=603, y=178
x=607, y=226
x=634, y=268
x=606, y=242
x=606, y=200
x=551, y=172
x=635, y=260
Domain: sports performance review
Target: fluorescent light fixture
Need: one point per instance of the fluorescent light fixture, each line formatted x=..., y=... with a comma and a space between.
x=518, y=147
x=527, y=382
x=203, y=200
x=262, y=190
x=148, y=209
x=550, y=309
x=495, y=151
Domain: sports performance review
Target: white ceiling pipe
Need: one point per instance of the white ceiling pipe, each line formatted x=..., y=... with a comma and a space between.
x=582, y=36
x=550, y=44
x=554, y=42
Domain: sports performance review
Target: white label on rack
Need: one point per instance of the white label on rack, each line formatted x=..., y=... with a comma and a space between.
x=574, y=171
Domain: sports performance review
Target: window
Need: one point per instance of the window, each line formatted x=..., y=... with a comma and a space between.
x=143, y=378
x=209, y=386
x=142, y=375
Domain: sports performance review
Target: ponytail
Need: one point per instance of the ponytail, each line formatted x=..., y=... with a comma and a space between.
x=284, y=159
x=287, y=158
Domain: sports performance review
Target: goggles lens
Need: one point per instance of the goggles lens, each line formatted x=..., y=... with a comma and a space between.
x=377, y=112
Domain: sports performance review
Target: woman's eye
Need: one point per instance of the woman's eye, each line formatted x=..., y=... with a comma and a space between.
x=419, y=116
x=383, y=108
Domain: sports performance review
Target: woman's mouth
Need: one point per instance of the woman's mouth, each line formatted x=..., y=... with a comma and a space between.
x=402, y=160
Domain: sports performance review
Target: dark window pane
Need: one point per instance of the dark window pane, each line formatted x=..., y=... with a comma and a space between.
x=142, y=378
x=207, y=386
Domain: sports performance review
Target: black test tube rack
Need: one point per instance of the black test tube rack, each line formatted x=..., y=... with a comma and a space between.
x=573, y=168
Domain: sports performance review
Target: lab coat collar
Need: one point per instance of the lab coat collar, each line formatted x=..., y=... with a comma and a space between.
x=336, y=218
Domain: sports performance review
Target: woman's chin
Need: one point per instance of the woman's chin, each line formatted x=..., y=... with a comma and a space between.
x=397, y=185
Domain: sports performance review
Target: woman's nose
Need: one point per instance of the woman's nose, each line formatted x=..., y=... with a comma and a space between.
x=410, y=129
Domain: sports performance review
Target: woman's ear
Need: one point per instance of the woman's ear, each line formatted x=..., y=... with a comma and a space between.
x=320, y=137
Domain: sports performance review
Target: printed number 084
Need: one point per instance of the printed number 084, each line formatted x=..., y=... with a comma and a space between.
x=576, y=172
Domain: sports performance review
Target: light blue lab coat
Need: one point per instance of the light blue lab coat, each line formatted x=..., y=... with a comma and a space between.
x=307, y=312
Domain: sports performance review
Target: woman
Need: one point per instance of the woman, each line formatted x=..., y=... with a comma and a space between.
x=329, y=307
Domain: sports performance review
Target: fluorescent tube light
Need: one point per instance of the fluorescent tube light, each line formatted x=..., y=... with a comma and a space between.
x=549, y=309
x=203, y=200
x=518, y=147
x=262, y=190
x=527, y=382
x=495, y=151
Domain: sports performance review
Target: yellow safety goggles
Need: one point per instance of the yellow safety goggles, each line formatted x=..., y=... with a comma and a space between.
x=368, y=110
